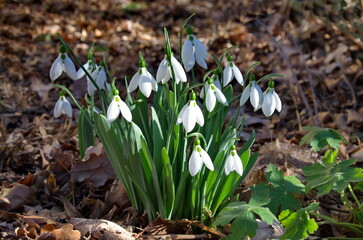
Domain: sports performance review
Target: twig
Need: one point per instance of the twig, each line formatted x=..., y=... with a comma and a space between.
x=294, y=77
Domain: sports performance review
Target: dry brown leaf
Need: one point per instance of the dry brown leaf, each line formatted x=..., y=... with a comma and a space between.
x=95, y=227
x=66, y=232
x=97, y=170
x=16, y=195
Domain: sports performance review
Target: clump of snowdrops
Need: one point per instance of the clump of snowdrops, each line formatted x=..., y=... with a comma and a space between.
x=179, y=158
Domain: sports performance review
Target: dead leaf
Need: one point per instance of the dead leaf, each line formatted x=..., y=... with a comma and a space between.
x=16, y=195
x=97, y=226
x=66, y=232
x=97, y=170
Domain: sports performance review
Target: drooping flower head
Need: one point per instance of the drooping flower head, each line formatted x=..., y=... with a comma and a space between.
x=62, y=106
x=143, y=79
x=90, y=66
x=99, y=76
x=116, y=107
x=193, y=51
x=212, y=94
x=190, y=114
x=164, y=72
x=271, y=100
x=62, y=64
x=254, y=93
x=197, y=158
x=230, y=72
x=233, y=162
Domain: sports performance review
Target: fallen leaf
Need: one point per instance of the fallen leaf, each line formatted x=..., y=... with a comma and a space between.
x=66, y=232
x=16, y=195
x=97, y=170
x=97, y=226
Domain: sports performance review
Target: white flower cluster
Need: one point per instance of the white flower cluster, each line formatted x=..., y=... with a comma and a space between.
x=193, y=51
x=268, y=101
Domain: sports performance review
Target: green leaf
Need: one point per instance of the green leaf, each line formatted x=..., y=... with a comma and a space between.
x=331, y=175
x=85, y=132
x=282, y=190
x=321, y=137
x=298, y=225
x=244, y=215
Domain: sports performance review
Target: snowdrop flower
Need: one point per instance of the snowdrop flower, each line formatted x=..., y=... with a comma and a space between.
x=144, y=80
x=215, y=78
x=90, y=66
x=190, y=114
x=62, y=107
x=164, y=72
x=198, y=157
x=63, y=64
x=254, y=93
x=233, y=163
x=116, y=107
x=99, y=75
x=231, y=71
x=271, y=100
x=211, y=94
x=193, y=50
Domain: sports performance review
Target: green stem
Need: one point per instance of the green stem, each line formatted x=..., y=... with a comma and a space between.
x=354, y=196
x=329, y=220
x=194, y=80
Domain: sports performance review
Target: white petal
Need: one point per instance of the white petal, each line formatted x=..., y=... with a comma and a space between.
x=201, y=61
x=101, y=79
x=254, y=97
x=268, y=105
x=56, y=68
x=238, y=164
x=125, y=111
x=217, y=83
x=238, y=75
x=189, y=119
x=181, y=114
x=220, y=96
x=134, y=83
x=113, y=110
x=69, y=67
x=195, y=163
x=145, y=85
x=67, y=108
x=90, y=87
x=199, y=115
x=245, y=95
x=229, y=167
x=260, y=95
x=200, y=50
x=153, y=81
x=188, y=55
x=207, y=160
x=168, y=76
x=227, y=75
x=178, y=70
x=278, y=102
x=210, y=99
x=58, y=108
x=162, y=71
x=80, y=72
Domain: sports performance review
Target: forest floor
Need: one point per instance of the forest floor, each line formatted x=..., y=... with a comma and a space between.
x=44, y=181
